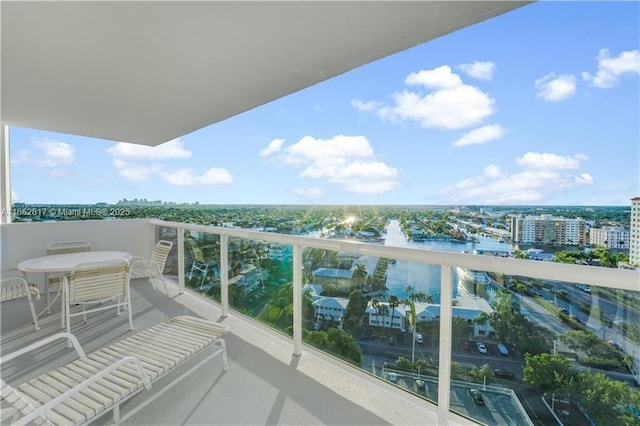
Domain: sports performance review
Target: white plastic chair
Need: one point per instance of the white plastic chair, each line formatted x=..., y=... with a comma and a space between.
x=200, y=264
x=154, y=266
x=105, y=284
x=12, y=288
x=52, y=281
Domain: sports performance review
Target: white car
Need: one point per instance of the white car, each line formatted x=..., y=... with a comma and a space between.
x=393, y=377
x=419, y=338
x=481, y=348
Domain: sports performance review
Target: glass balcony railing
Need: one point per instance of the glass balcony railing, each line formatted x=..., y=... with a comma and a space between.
x=497, y=340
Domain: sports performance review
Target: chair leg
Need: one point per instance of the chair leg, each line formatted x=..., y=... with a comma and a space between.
x=33, y=310
x=128, y=302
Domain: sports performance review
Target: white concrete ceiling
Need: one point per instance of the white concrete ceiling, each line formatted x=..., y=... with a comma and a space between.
x=150, y=71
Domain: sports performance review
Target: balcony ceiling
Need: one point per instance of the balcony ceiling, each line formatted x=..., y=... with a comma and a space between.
x=148, y=72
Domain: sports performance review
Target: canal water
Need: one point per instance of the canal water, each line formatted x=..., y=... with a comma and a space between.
x=424, y=277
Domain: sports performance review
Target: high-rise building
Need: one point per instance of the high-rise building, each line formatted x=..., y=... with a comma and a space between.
x=634, y=232
x=613, y=237
x=548, y=230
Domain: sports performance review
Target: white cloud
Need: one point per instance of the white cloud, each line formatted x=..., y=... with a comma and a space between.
x=547, y=161
x=450, y=104
x=341, y=160
x=53, y=155
x=186, y=177
x=336, y=149
x=136, y=172
x=168, y=150
x=437, y=78
x=364, y=106
x=479, y=70
x=539, y=179
x=311, y=193
x=455, y=108
x=556, y=88
x=480, y=135
x=139, y=163
x=274, y=146
x=611, y=68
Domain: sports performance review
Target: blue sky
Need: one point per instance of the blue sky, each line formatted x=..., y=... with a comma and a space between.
x=538, y=106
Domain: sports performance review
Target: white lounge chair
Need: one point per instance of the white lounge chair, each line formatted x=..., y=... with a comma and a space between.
x=12, y=288
x=153, y=267
x=105, y=285
x=85, y=389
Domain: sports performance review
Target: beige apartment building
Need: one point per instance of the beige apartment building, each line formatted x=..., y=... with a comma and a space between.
x=548, y=230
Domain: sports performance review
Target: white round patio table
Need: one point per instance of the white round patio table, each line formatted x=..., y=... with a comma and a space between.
x=68, y=261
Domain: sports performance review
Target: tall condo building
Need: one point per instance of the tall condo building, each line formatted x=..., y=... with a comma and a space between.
x=634, y=231
x=613, y=237
x=548, y=230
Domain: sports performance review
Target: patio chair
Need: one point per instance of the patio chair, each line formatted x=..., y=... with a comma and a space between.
x=200, y=264
x=153, y=267
x=55, y=280
x=94, y=384
x=12, y=288
x=102, y=284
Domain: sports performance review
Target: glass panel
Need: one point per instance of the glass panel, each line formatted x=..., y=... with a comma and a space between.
x=202, y=262
x=171, y=235
x=361, y=310
x=543, y=346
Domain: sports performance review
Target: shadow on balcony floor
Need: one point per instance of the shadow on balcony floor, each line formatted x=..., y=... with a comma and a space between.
x=264, y=385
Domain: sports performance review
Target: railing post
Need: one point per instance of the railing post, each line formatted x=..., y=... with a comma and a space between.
x=181, y=271
x=297, y=300
x=5, y=175
x=444, y=361
x=224, y=274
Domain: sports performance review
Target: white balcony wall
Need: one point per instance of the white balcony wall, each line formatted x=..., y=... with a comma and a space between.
x=21, y=241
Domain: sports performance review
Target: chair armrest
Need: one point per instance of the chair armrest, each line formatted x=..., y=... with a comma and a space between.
x=70, y=337
x=84, y=385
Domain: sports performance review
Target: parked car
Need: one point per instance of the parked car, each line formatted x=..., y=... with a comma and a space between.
x=503, y=374
x=477, y=396
x=502, y=349
x=420, y=384
x=393, y=377
x=419, y=338
x=482, y=348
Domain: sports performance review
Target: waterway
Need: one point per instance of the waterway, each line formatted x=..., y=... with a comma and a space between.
x=425, y=277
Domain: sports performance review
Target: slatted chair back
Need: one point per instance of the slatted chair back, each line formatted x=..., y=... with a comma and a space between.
x=63, y=247
x=96, y=281
x=160, y=253
x=196, y=252
x=103, y=285
x=55, y=280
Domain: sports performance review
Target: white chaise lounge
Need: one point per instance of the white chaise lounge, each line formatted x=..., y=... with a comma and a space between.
x=90, y=386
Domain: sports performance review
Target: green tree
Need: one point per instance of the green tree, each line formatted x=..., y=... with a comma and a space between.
x=607, y=401
x=550, y=373
x=355, y=309
x=394, y=302
x=359, y=277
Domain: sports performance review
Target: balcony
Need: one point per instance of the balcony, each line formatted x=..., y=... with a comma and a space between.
x=275, y=377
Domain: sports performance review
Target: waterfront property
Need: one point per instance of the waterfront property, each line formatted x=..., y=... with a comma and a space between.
x=186, y=73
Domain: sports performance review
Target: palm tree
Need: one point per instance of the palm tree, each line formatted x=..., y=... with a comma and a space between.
x=359, y=276
x=394, y=302
x=375, y=304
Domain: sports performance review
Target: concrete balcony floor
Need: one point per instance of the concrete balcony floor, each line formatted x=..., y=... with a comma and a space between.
x=265, y=384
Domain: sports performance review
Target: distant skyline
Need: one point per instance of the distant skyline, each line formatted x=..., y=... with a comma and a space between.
x=539, y=106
